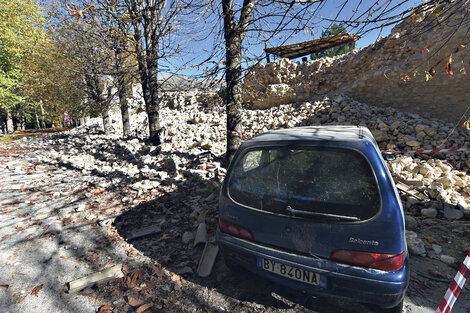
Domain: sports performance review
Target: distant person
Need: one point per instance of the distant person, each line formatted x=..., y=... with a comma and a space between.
x=67, y=119
x=4, y=127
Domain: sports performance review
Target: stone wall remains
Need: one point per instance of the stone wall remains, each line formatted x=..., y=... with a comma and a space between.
x=390, y=72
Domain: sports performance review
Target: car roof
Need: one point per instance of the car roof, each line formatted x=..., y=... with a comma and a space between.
x=317, y=133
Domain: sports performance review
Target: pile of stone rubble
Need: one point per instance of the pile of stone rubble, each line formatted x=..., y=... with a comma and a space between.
x=181, y=174
x=195, y=127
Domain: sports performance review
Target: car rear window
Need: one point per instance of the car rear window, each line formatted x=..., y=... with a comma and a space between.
x=311, y=182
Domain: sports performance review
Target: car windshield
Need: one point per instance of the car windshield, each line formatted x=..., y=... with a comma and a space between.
x=310, y=182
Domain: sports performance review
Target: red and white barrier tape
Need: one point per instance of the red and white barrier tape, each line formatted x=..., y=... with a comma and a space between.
x=428, y=151
x=455, y=287
x=173, y=145
x=239, y=134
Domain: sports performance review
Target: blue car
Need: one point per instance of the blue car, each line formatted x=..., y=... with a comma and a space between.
x=316, y=209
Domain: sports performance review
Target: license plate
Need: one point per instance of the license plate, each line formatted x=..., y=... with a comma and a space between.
x=291, y=272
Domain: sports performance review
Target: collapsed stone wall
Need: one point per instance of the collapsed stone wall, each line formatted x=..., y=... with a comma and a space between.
x=390, y=72
x=197, y=124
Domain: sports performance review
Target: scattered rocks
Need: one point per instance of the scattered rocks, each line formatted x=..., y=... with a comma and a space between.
x=55, y=227
x=373, y=75
x=415, y=244
x=437, y=248
x=187, y=237
x=108, y=162
x=81, y=207
x=430, y=212
x=410, y=222
x=448, y=259
x=452, y=214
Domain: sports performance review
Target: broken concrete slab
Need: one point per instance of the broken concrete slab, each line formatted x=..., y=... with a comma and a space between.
x=201, y=234
x=144, y=232
x=207, y=260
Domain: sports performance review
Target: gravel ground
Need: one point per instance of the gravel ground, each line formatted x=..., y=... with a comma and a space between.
x=50, y=217
x=38, y=247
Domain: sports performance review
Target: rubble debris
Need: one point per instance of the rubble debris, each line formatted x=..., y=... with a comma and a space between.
x=201, y=234
x=448, y=259
x=154, y=229
x=96, y=278
x=144, y=307
x=429, y=212
x=415, y=244
x=135, y=300
x=410, y=191
x=187, y=237
x=207, y=260
x=452, y=214
x=36, y=290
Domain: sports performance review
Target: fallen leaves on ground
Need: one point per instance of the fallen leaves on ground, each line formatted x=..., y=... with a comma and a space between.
x=105, y=309
x=177, y=281
x=429, y=239
x=46, y=235
x=130, y=280
x=66, y=221
x=18, y=228
x=163, y=237
x=449, y=71
x=146, y=287
x=135, y=300
x=144, y=308
x=36, y=290
x=98, y=191
x=19, y=298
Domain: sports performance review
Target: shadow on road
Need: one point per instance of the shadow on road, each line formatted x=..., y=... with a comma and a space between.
x=180, y=212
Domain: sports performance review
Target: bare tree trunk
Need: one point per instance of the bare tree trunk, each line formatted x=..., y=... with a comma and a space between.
x=43, y=124
x=141, y=57
x=153, y=108
x=233, y=97
x=22, y=123
x=234, y=34
x=10, y=128
x=122, y=93
x=37, y=119
x=106, y=123
x=148, y=65
x=20, y=117
x=126, y=126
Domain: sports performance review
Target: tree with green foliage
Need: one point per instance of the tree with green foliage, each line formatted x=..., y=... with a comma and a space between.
x=51, y=81
x=21, y=28
x=335, y=29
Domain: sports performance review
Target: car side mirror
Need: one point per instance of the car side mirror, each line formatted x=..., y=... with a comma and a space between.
x=389, y=156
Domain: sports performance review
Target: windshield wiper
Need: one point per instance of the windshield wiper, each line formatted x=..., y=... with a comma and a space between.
x=324, y=215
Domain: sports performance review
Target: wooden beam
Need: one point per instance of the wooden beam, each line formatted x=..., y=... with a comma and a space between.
x=308, y=47
x=93, y=279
